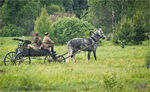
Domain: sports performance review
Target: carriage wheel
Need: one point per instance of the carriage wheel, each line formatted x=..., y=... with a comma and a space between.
x=20, y=58
x=9, y=58
x=60, y=59
x=48, y=59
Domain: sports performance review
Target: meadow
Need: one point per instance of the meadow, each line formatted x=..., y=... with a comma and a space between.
x=116, y=70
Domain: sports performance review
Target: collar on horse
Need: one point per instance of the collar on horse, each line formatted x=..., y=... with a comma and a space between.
x=93, y=37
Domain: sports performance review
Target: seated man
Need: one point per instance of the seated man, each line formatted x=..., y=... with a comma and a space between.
x=47, y=42
x=37, y=41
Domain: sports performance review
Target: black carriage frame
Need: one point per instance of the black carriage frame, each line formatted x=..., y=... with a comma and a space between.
x=23, y=53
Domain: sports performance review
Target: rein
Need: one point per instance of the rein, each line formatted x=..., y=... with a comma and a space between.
x=81, y=49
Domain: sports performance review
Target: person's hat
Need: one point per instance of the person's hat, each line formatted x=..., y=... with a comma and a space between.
x=46, y=33
x=36, y=34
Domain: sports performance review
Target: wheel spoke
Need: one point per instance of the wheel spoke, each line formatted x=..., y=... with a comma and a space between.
x=60, y=59
x=48, y=59
x=8, y=58
x=22, y=59
x=9, y=55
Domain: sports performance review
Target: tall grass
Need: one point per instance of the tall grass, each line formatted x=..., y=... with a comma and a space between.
x=116, y=70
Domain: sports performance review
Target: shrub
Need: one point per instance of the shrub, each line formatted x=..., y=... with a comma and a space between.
x=148, y=60
x=67, y=28
x=139, y=28
x=53, y=8
x=12, y=30
x=130, y=30
x=110, y=82
x=124, y=32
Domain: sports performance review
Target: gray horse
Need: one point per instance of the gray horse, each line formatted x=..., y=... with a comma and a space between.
x=79, y=43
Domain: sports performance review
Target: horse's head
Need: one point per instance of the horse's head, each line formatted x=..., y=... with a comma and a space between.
x=100, y=33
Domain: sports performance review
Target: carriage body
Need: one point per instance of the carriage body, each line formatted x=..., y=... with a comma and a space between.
x=30, y=52
x=23, y=52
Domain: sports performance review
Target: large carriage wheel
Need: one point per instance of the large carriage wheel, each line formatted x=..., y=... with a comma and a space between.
x=9, y=58
x=60, y=59
x=48, y=59
x=20, y=58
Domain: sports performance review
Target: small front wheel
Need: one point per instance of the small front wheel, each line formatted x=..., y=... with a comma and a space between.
x=9, y=58
x=60, y=58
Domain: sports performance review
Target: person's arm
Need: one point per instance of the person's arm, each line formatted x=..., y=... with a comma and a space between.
x=51, y=41
x=34, y=40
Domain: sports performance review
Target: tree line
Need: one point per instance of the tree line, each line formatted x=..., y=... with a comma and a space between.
x=23, y=13
x=126, y=20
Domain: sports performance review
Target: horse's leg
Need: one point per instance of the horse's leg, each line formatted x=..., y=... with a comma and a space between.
x=69, y=55
x=74, y=58
x=89, y=53
x=94, y=52
x=67, y=60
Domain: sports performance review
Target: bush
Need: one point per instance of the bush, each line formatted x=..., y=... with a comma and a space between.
x=130, y=30
x=139, y=28
x=67, y=28
x=11, y=30
x=124, y=32
x=148, y=60
x=111, y=84
x=53, y=8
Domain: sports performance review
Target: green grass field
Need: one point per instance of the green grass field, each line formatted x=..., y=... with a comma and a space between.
x=116, y=70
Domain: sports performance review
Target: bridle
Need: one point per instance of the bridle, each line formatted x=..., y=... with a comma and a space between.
x=93, y=37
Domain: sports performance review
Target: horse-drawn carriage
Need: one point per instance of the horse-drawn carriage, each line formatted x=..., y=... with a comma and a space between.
x=23, y=54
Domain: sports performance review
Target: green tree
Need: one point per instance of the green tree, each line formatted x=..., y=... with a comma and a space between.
x=67, y=28
x=100, y=14
x=21, y=13
x=130, y=30
x=9, y=11
x=124, y=31
x=27, y=16
x=79, y=6
x=53, y=8
x=68, y=5
x=43, y=23
x=49, y=2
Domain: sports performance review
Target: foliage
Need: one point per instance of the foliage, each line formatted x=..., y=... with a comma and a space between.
x=125, y=66
x=53, y=8
x=107, y=14
x=68, y=5
x=21, y=13
x=67, y=28
x=124, y=32
x=43, y=23
x=27, y=15
x=148, y=60
x=12, y=30
x=130, y=30
x=139, y=28
x=99, y=14
x=111, y=83
x=58, y=15
x=79, y=6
